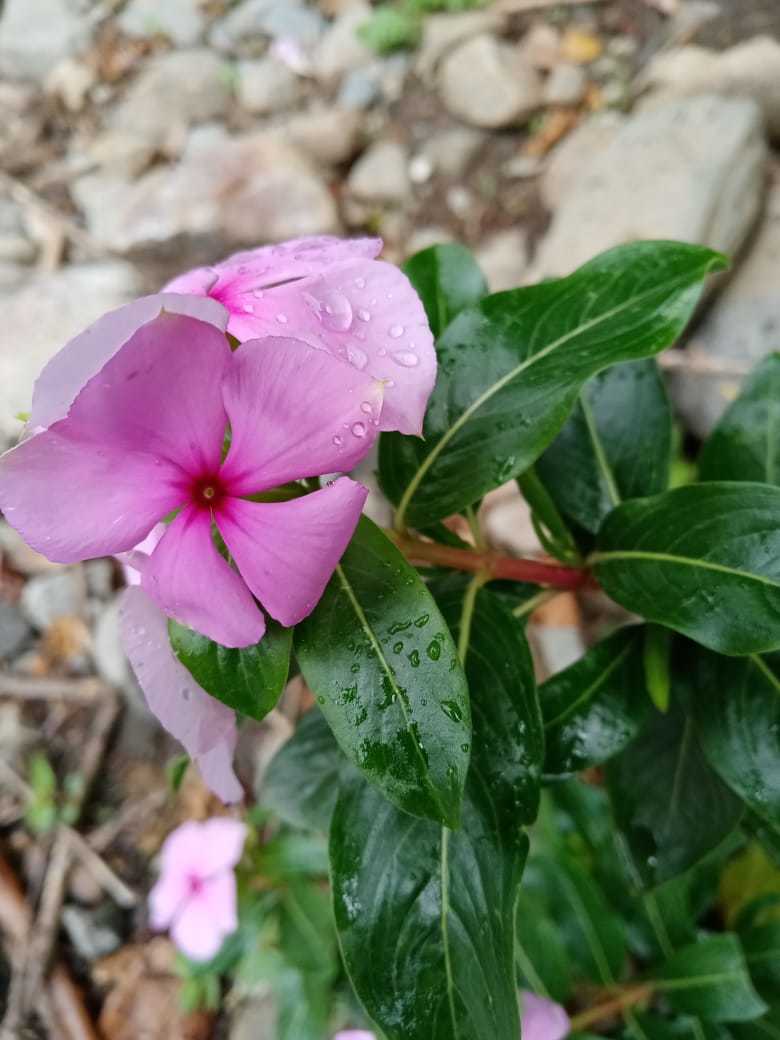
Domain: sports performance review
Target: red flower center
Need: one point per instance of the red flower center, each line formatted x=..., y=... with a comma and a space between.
x=207, y=491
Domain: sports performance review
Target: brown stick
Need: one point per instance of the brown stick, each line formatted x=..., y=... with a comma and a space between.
x=28, y=688
x=611, y=1008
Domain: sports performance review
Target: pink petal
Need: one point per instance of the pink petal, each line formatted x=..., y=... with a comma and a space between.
x=354, y=1034
x=203, y=849
x=205, y=727
x=83, y=357
x=294, y=412
x=189, y=581
x=166, y=898
x=542, y=1019
x=207, y=919
x=236, y=280
x=134, y=561
x=287, y=551
x=365, y=312
x=72, y=498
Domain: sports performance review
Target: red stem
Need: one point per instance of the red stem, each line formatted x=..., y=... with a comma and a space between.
x=492, y=564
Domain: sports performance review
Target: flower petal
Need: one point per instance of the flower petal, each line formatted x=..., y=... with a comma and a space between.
x=238, y=282
x=72, y=499
x=365, y=312
x=542, y=1019
x=207, y=919
x=294, y=412
x=83, y=357
x=205, y=727
x=287, y=551
x=203, y=849
x=189, y=581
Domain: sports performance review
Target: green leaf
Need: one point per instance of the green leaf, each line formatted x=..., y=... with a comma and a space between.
x=672, y=808
x=426, y=915
x=616, y=445
x=510, y=370
x=710, y=979
x=447, y=279
x=594, y=708
x=656, y=651
x=390, y=29
x=543, y=962
x=762, y=953
x=249, y=680
x=736, y=705
x=703, y=560
x=385, y=671
x=745, y=445
x=766, y=1028
x=307, y=936
x=301, y=783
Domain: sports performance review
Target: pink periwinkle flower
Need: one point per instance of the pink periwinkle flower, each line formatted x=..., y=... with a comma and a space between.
x=333, y=294
x=542, y=1019
x=195, y=896
x=127, y=428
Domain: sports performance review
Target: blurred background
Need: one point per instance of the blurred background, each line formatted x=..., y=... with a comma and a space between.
x=139, y=138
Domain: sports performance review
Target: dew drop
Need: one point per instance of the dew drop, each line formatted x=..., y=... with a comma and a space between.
x=406, y=359
x=338, y=441
x=364, y=315
x=357, y=357
x=258, y=293
x=360, y=283
x=359, y=429
x=366, y=407
x=332, y=308
x=396, y=331
x=249, y=308
x=282, y=319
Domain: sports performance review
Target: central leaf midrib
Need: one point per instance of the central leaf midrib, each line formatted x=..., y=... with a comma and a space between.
x=685, y=561
x=386, y=668
x=487, y=394
x=586, y=695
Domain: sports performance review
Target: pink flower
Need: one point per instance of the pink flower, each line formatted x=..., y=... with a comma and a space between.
x=195, y=895
x=333, y=294
x=542, y=1019
x=134, y=431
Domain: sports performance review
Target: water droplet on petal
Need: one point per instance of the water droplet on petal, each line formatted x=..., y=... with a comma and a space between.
x=406, y=359
x=258, y=293
x=396, y=331
x=338, y=441
x=360, y=283
x=332, y=308
x=364, y=315
x=249, y=308
x=357, y=357
x=367, y=407
x=359, y=429
x=282, y=319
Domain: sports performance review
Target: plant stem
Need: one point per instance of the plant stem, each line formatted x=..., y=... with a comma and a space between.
x=490, y=563
x=610, y=1008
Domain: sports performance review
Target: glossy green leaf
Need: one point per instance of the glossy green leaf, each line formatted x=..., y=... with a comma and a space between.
x=762, y=952
x=302, y=780
x=616, y=445
x=745, y=445
x=736, y=705
x=426, y=915
x=249, y=680
x=543, y=962
x=703, y=560
x=594, y=708
x=656, y=655
x=447, y=279
x=385, y=671
x=510, y=370
x=670, y=805
x=765, y=1028
x=710, y=979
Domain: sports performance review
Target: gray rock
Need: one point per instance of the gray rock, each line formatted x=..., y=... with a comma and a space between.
x=503, y=259
x=50, y=596
x=182, y=21
x=36, y=34
x=245, y=189
x=499, y=89
x=267, y=85
x=751, y=69
x=70, y=81
x=248, y=24
x=92, y=932
x=107, y=650
x=574, y=154
x=443, y=32
x=691, y=170
x=451, y=151
x=254, y=1019
x=172, y=92
x=742, y=326
x=14, y=630
x=566, y=85
x=329, y=135
x=15, y=245
x=19, y=557
x=360, y=89
x=381, y=174
x=45, y=312
x=341, y=50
